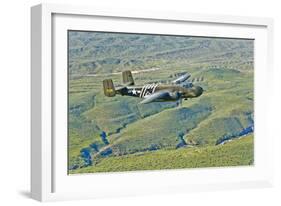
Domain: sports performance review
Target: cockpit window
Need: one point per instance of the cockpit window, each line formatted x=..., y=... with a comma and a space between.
x=187, y=85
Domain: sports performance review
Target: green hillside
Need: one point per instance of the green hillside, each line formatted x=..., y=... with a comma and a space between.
x=236, y=153
x=157, y=130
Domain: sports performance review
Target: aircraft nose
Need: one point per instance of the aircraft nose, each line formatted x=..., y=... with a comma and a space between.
x=198, y=91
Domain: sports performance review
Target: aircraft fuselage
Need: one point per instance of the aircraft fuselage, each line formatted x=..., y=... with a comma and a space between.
x=176, y=92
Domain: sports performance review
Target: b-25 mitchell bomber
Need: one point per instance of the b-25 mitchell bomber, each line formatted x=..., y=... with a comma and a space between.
x=177, y=90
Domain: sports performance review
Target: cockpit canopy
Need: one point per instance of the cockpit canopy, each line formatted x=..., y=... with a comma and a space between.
x=187, y=85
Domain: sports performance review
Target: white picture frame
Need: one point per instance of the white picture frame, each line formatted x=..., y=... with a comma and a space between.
x=49, y=178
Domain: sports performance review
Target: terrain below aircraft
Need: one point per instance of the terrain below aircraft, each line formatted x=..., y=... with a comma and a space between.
x=156, y=92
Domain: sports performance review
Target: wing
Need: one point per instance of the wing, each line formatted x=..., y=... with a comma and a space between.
x=181, y=79
x=155, y=96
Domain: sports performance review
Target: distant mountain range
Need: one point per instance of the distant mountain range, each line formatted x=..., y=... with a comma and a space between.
x=98, y=52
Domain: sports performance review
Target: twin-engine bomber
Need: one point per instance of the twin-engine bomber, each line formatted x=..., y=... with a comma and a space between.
x=177, y=90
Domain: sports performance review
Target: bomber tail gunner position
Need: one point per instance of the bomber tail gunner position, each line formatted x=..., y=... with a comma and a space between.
x=176, y=91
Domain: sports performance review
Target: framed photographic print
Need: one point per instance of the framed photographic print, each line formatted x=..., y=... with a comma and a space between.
x=135, y=102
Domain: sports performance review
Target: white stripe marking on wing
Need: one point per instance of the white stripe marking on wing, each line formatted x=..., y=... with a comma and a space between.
x=154, y=88
x=144, y=90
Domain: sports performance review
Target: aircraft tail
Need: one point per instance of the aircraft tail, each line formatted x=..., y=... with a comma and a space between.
x=128, y=78
x=108, y=88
